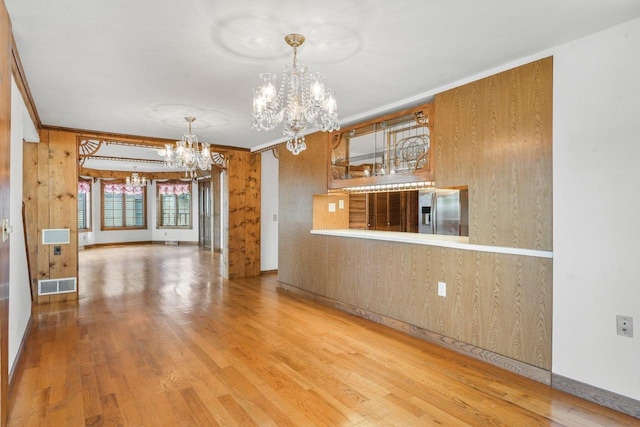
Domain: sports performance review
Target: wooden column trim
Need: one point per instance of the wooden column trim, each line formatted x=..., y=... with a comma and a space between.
x=21, y=81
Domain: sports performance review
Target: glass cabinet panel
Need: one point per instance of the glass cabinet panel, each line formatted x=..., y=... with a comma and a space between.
x=392, y=149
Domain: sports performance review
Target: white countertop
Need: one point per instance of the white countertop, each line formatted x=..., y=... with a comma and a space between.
x=456, y=242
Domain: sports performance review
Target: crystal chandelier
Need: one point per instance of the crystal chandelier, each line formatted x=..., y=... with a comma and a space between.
x=301, y=102
x=189, y=154
x=135, y=182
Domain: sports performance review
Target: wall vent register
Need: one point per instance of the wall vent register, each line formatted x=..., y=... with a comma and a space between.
x=57, y=286
x=56, y=236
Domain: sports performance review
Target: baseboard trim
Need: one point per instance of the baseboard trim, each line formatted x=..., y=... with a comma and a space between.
x=597, y=395
x=19, y=357
x=102, y=245
x=495, y=359
x=263, y=272
x=175, y=242
x=142, y=242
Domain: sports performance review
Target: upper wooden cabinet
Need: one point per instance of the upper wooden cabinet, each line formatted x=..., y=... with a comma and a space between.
x=393, y=149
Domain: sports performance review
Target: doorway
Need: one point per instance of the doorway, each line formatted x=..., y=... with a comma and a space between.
x=205, y=213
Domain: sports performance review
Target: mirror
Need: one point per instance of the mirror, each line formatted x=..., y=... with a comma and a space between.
x=393, y=149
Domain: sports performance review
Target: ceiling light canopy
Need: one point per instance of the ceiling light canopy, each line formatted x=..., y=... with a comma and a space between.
x=189, y=154
x=301, y=103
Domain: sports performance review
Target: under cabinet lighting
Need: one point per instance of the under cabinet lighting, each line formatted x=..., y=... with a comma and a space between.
x=406, y=186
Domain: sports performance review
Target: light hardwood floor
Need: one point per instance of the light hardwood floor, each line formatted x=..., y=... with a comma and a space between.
x=158, y=338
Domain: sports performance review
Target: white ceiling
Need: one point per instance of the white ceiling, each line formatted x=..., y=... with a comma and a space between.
x=140, y=66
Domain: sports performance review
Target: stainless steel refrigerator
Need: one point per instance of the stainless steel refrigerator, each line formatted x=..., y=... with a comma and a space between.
x=443, y=211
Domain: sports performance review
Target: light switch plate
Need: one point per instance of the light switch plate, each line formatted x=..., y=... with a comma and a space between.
x=6, y=229
x=442, y=289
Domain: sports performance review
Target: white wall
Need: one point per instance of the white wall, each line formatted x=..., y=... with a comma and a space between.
x=269, y=212
x=596, y=187
x=151, y=233
x=19, y=295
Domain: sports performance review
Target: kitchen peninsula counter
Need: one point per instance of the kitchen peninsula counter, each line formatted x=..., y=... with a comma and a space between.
x=455, y=242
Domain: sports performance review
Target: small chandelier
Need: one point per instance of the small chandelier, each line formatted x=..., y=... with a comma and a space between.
x=301, y=102
x=189, y=154
x=135, y=182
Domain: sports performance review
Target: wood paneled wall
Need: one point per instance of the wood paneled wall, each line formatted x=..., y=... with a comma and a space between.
x=494, y=135
x=497, y=302
x=328, y=213
x=299, y=178
x=50, y=197
x=242, y=257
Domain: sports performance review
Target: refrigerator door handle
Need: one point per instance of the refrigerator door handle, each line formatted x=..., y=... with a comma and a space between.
x=434, y=215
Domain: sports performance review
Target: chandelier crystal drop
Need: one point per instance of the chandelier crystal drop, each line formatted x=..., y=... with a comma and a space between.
x=302, y=102
x=135, y=181
x=189, y=154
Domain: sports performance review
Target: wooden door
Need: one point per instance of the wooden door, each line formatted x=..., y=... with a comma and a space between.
x=5, y=155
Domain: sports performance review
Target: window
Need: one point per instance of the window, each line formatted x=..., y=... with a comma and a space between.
x=174, y=205
x=84, y=205
x=122, y=208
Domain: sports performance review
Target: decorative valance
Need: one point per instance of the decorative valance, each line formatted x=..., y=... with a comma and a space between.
x=174, y=188
x=121, y=188
x=84, y=187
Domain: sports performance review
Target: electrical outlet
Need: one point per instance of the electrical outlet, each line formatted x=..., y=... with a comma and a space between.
x=442, y=289
x=625, y=326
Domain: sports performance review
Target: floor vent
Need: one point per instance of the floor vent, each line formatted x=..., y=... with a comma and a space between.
x=56, y=286
x=171, y=242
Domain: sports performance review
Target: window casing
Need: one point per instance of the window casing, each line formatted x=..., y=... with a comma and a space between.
x=123, y=209
x=174, y=205
x=84, y=205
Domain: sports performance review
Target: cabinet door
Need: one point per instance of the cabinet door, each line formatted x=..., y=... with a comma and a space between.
x=381, y=207
x=387, y=211
x=358, y=211
x=394, y=211
x=409, y=211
